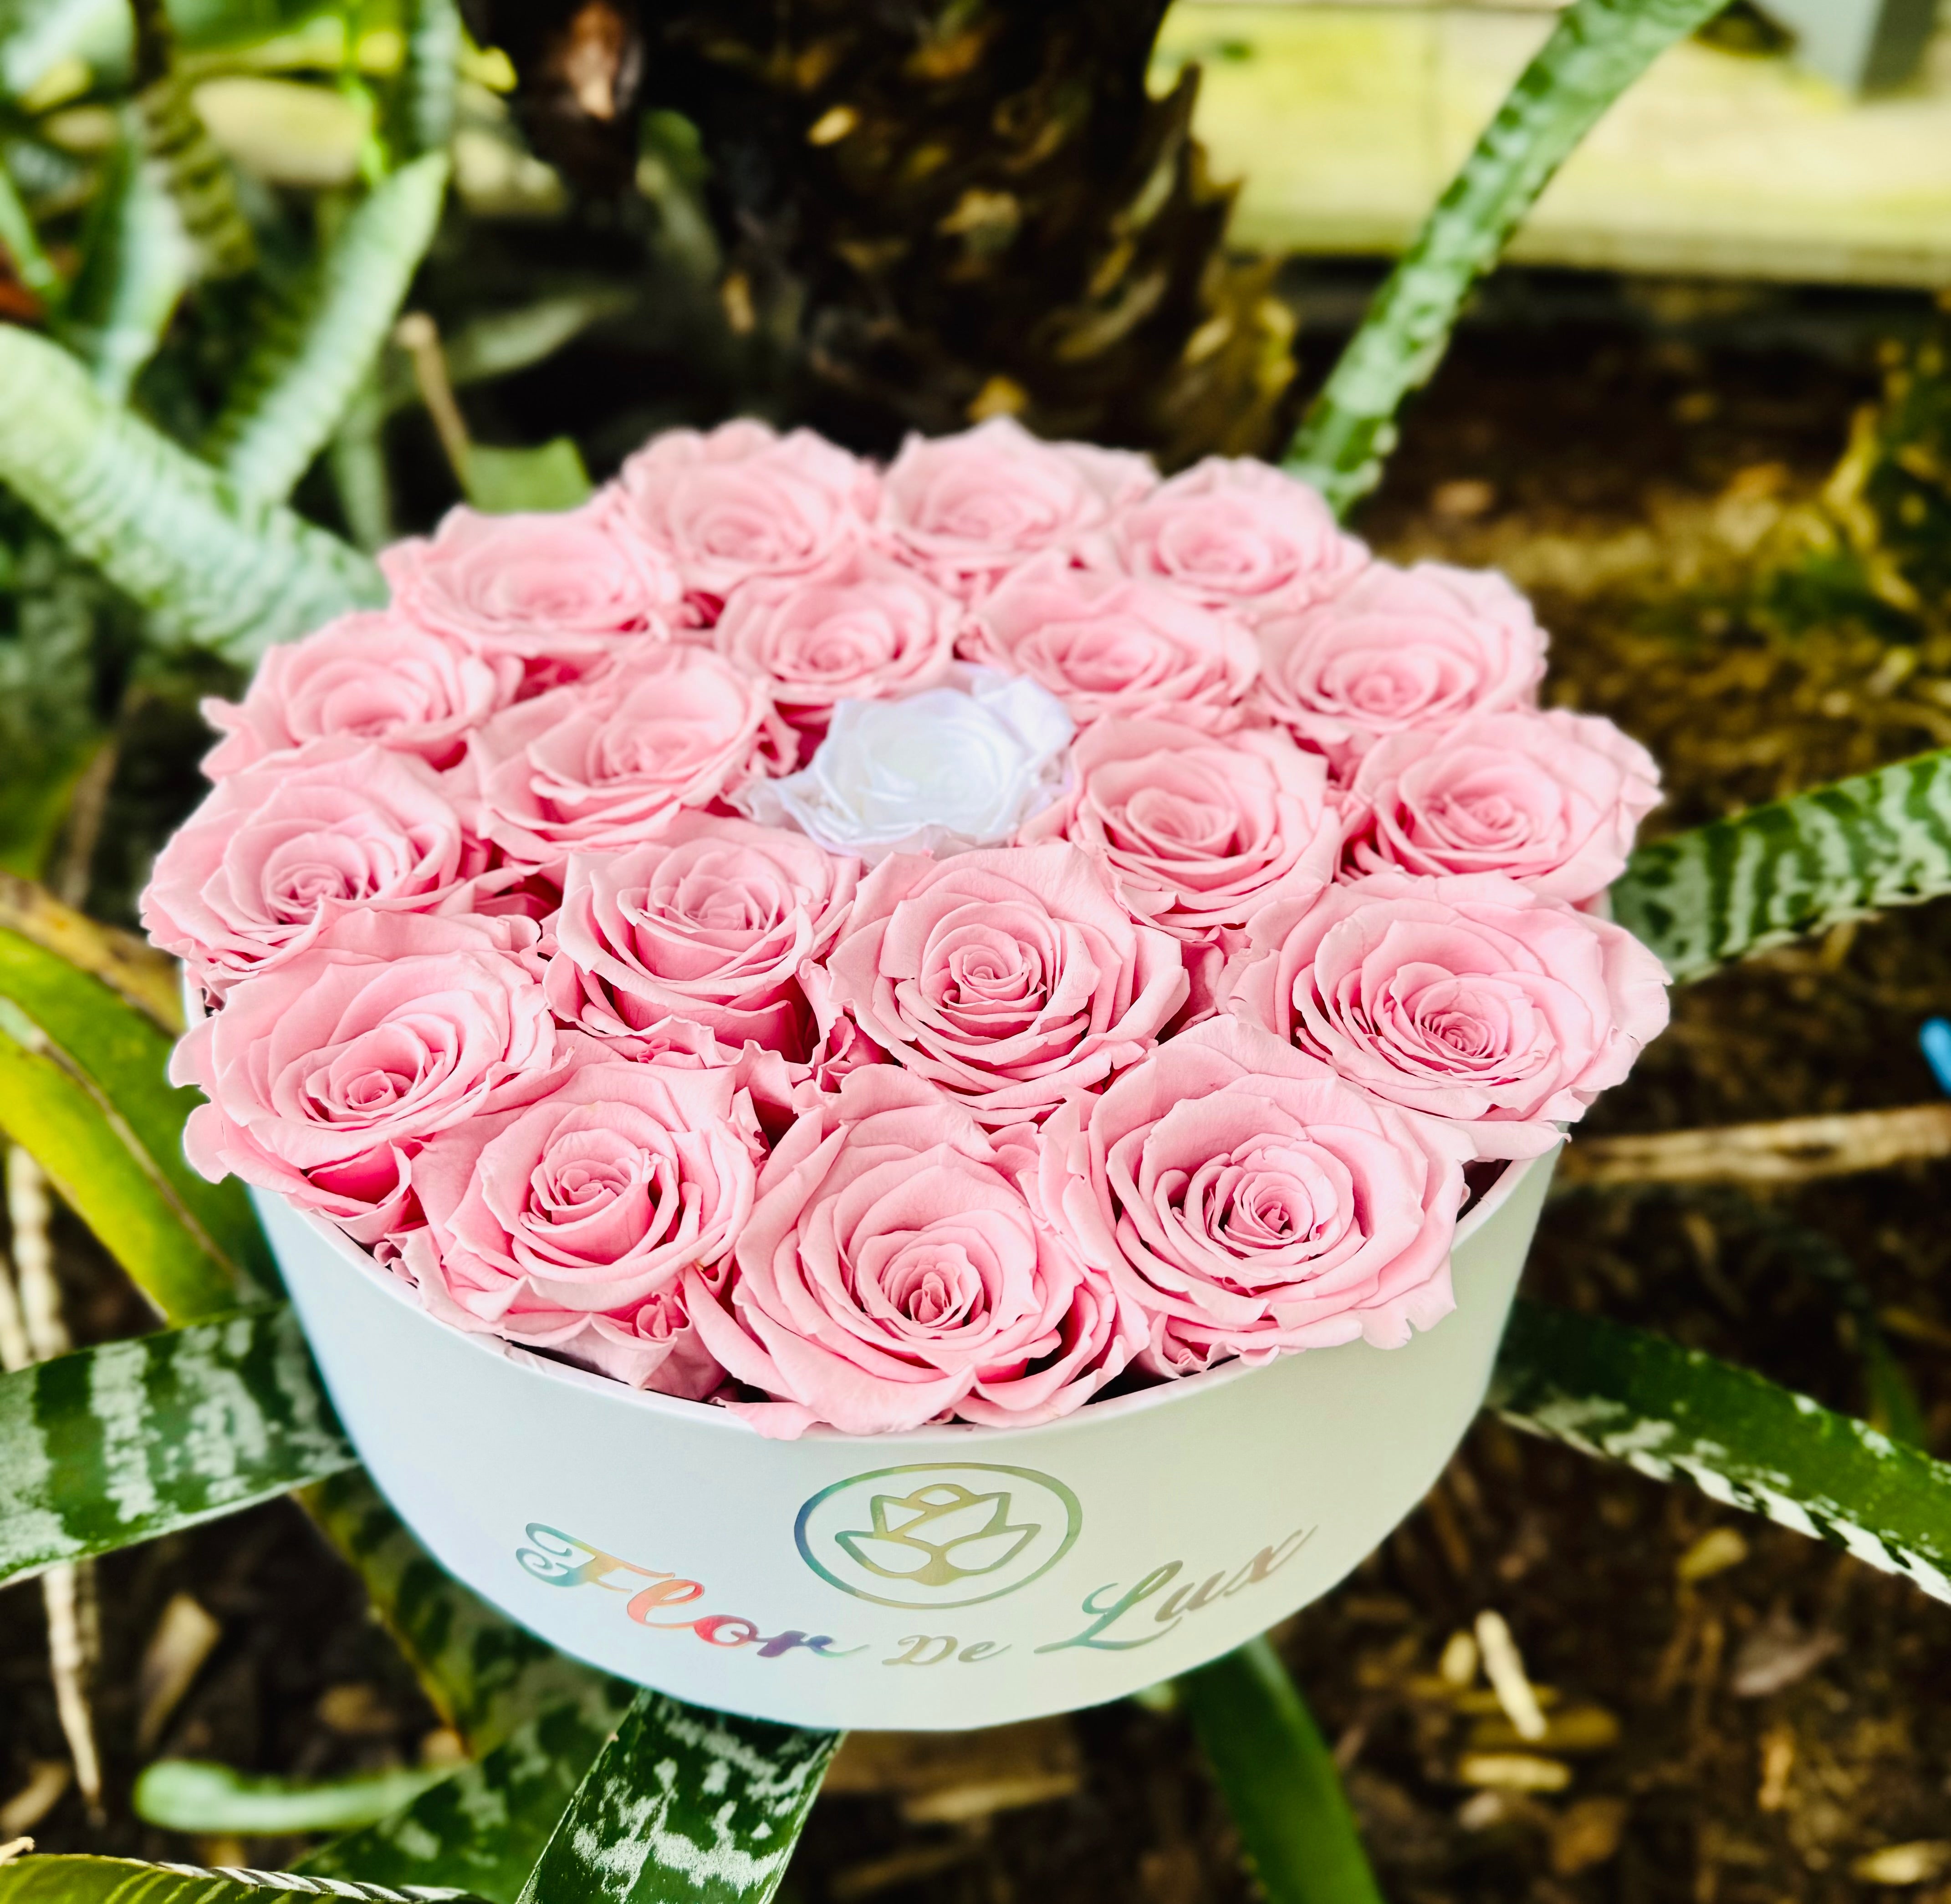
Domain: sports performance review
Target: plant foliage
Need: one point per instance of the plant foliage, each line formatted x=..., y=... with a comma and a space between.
x=126, y=1880
x=1675, y=1413
x=683, y=1803
x=1279, y=1778
x=121, y=1443
x=320, y=343
x=213, y=567
x=1597, y=49
x=1792, y=868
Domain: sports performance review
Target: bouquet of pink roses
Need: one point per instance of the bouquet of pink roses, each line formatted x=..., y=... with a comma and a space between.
x=877, y=947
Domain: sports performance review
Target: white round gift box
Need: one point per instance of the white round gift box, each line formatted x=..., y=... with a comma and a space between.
x=946, y=1577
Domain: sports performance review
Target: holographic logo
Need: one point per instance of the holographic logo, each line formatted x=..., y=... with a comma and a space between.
x=938, y=1535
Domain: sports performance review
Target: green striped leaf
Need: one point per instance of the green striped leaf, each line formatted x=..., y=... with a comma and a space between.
x=300, y=375
x=116, y=1444
x=125, y=1880
x=194, y=1795
x=84, y=1048
x=683, y=1805
x=535, y=1719
x=167, y=529
x=484, y=1826
x=1675, y=1413
x=135, y=264
x=1598, y=48
x=429, y=76
x=1793, y=867
x=1279, y=1779
x=486, y=1675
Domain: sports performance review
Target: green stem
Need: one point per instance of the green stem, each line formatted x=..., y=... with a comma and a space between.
x=1279, y=1780
x=1597, y=49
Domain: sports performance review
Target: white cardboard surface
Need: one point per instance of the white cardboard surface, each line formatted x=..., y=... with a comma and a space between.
x=947, y=1578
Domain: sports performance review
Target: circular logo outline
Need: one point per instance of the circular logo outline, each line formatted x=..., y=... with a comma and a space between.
x=1073, y=1509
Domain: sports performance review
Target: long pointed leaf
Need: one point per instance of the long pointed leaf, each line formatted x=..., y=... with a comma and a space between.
x=119, y=1055
x=429, y=76
x=1598, y=48
x=484, y=1826
x=130, y=967
x=487, y=1675
x=298, y=380
x=102, y=1171
x=1279, y=1780
x=135, y=264
x=117, y=1444
x=194, y=1795
x=1673, y=1412
x=167, y=529
x=684, y=1805
x=125, y=1880
x=1795, y=867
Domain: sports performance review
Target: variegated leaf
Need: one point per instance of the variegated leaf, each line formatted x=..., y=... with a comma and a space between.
x=126, y=1880
x=136, y=262
x=121, y=1443
x=684, y=1805
x=487, y=1675
x=429, y=76
x=166, y=529
x=1676, y=1413
x=1781, y=871
x=484, y=1826
x=318, y=346
x=1597, y=49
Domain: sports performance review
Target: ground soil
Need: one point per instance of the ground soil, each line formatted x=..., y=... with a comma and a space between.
x=1751, y=1733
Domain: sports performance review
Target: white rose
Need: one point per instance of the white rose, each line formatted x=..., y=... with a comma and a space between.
x=956, y=767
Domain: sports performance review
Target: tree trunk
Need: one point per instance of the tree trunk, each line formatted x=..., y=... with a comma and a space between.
x=944, y=210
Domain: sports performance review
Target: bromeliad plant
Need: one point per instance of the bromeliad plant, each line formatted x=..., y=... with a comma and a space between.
x=580, y=1786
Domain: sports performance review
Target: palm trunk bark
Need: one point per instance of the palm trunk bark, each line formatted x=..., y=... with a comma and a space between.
x=943, y=210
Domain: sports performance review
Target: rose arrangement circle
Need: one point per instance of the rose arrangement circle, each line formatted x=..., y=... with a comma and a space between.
x=869, y=946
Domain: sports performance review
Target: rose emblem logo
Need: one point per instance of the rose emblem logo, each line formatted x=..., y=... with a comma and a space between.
x=938, y=1535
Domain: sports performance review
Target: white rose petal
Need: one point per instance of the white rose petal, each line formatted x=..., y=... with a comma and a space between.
x=942, y=772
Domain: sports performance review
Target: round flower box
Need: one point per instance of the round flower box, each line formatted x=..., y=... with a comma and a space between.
x=867, y=1081
x=943, y=1577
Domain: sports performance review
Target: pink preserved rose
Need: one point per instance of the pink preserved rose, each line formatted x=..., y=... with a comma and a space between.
x=710, y=926
x=277, y=852
x=1197, y=833
x=1249, y=1202
x=1552, y=799
x=1010, y=977
x=1470, y=998
x=1396, y=650
x=1235, y=533
x=371, y=675
x=892, y=1274
x=1107, y=644
x=604, y=766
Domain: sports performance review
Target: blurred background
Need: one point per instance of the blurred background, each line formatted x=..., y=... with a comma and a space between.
x=1702, y=414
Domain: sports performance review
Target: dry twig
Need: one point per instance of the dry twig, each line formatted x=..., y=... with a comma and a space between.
x=35, y=1299
x=1790, y=1150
